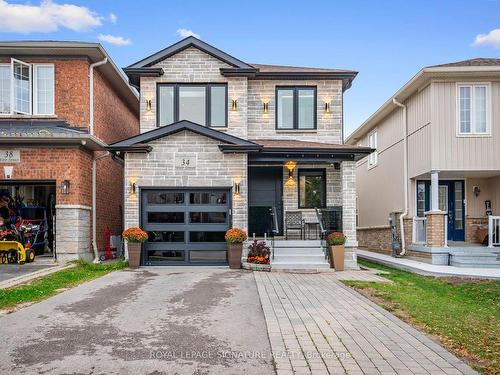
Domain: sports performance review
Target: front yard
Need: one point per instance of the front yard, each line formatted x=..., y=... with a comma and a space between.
x=52, y=284
x=463, y=314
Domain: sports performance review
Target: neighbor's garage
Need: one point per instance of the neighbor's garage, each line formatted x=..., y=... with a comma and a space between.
x=185, y=226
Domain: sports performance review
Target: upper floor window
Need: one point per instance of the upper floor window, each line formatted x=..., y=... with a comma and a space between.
x=26, y=88
x=204, y=104
x=372, y=143
x=473, y=103
x=295, y=108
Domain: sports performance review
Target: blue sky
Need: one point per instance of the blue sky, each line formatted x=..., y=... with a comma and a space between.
x=386, y=41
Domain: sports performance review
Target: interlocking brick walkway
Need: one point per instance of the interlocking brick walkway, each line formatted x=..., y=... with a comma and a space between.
x=317, y=325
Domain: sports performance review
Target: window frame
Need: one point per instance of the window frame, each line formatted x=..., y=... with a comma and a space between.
x=296, y=89
x=9, y=65
x=373, y=162
x=473, y=132
x=300, y=171
x=35, y=89
x=208, y=107
x=12, y=93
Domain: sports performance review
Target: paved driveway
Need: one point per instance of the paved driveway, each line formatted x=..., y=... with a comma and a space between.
x=154, y=321
x=10, y=271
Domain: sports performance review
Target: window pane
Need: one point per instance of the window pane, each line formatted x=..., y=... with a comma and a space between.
x=285, y=109
x=22, y=88
x=165, y=236
x=165, y=198
x=312, y=188
x=421, y=199
x=5, y=89
x=480, y=108
x=192, y=104
x=207, y=236
x=165, y=255
x=459, y=224
x=306, y=108
x=207, y=217
x=465, y=109
x=207, y=198
x=45, y=90
x=207, y=256
x=218, y=106
x=166, y=105
x=166, y=217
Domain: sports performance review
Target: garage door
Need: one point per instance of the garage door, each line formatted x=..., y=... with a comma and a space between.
x=185, y=226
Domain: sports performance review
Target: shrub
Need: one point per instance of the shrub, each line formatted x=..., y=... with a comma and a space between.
x=235, y=235
x=135, y=234
x=258, y=252
x=335, y=238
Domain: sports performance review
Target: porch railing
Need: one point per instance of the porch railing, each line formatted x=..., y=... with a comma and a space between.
x=493, y=231
x=419, y=230
x=274, y=228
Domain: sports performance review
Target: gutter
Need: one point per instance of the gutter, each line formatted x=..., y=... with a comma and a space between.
x=405, y=175
x=91, y=92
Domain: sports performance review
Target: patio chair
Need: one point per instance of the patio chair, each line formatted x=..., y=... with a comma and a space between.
x=294, y=221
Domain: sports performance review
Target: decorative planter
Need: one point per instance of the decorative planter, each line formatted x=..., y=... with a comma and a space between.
x=337, y=257
x=134, y=254
x=234, y=254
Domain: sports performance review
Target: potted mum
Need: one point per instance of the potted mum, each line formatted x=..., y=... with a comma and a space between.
x=336, y=241
x=135, y=237
x=235, y=238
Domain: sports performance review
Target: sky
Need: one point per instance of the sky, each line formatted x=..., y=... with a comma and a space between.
x=387, y=42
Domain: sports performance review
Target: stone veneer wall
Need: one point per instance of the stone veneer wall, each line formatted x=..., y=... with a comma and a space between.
x=73, y=232
x=212, y=168
x=375, y=238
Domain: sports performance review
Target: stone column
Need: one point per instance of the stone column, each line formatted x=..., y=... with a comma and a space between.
x=436, y=228
x=73, y=232
x=348, y=173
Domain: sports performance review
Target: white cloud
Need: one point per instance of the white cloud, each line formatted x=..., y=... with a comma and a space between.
x=490, y=39
x=46, y=17
x=113, y=18
x=187, y=32
x=112, y=39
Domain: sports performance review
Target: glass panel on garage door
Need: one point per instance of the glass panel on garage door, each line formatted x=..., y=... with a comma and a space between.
x=185, y=226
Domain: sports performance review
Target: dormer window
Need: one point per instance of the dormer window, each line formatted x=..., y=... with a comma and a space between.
x=203, y=104
x=26, y=88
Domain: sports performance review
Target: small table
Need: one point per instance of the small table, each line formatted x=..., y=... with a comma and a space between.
x=312, y=231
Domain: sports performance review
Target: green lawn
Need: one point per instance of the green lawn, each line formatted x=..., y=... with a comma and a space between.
x=463, y=314
x=49, y=285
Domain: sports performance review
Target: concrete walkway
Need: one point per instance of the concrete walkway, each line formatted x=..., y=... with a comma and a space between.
x=149, y=321
x=427, y=269
x=319, y=326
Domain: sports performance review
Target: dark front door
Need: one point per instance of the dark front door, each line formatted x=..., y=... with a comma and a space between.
x=451, y=201
x=265, y=190
x=185, y=226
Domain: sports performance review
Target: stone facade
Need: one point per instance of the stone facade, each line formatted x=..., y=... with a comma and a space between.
x=73, y=232
x=375, y=238
x=435, y=229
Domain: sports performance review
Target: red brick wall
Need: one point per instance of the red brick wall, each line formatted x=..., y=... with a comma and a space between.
x=57, y=164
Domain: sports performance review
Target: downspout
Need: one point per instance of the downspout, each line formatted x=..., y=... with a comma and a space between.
x=95, y=158
x=405, y=174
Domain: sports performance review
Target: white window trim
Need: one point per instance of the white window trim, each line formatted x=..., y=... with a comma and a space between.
x=375, y=153
x=30, y=67
x=11, y=94
x=473, y=133
x=35, y=89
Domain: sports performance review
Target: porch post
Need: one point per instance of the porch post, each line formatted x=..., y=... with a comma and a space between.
x=435, y=191
x=348, y=176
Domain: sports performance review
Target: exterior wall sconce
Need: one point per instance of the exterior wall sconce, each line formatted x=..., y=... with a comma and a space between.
x=234, y=105
x=476, y=190
x=65, y=187
x=237, y=188
x=148, y=105
x=290, y=165
x=266, y=107
x=132, y=187
x=327, y=107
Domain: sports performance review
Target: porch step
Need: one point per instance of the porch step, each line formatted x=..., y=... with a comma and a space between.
x=299, y=265
x=293, y=258
x=482, y=259
x=300, y=255
x=298, y=250
x=297, y=243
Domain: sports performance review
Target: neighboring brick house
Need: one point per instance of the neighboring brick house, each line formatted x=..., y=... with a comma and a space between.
x=53, y=128
x=446, y=121
x=215, y=151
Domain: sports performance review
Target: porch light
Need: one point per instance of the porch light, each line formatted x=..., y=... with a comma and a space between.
x=148, y=105
x=65, y=187
x=234, y=105
x=327, y=107
x=290, y=165
x=476, y=190
x=266, y=107
x=132, y=187
x=237, y=188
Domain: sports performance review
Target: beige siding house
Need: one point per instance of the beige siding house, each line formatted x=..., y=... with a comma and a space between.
x=437, y=165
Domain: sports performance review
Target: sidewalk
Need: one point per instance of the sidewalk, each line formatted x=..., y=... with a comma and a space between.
x=427, y=269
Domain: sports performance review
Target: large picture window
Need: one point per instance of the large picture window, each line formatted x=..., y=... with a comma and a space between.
x=473, y=113
x=312, y=188
x=296, y=108
x=204, y=104
x=26, y=88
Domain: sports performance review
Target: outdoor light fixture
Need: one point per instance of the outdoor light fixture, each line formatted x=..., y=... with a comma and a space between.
x=237, y=188
x=327, y=107
x=148, y=105
x=234, y=106
x=290, y=165
x=266, y=107
x=65, y=187
x=476, y=190
x=132, y=187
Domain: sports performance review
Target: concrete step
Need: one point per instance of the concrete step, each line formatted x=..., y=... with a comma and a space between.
x=296, y=243
x=299, y=258
x=299, y=265
x=298, y=251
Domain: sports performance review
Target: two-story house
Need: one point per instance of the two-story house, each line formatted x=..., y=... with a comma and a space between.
x=225, y=144
x=61, y=104
x=437, y=164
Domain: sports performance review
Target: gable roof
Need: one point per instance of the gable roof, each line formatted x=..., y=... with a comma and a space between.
x=266, y=68
x=139, y=142
x=480, y=61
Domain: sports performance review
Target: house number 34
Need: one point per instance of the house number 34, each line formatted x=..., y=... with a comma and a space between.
x=185, y=163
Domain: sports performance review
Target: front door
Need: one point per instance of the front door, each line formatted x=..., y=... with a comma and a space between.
x=265, y=190
x=451, y=201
